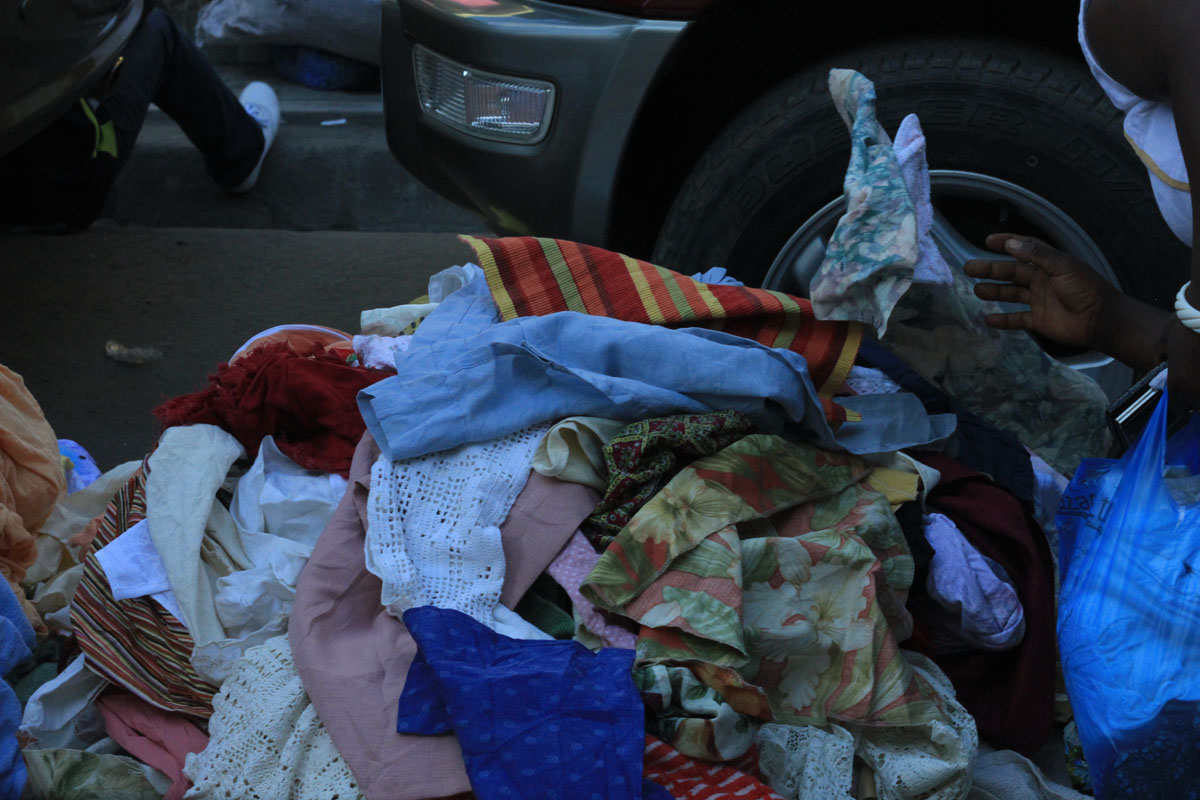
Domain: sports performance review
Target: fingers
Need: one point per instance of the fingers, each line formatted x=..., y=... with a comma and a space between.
x=1017, y=272
x=1002, y=293
x=1018, y=321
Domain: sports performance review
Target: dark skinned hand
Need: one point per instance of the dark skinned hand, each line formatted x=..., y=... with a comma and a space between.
x=1066, y=297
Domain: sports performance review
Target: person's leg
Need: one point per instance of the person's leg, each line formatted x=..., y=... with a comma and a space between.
x=162, y=65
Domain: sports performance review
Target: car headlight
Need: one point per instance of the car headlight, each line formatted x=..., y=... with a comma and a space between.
x=502, y=107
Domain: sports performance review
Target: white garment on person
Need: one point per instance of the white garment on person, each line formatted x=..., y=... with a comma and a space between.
x=933, y=760
x=573, y=450
x=1150, y=129
x=910, y=152
x=433, y=524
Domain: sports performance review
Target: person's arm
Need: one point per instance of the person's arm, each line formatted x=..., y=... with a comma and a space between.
x=1152, y=47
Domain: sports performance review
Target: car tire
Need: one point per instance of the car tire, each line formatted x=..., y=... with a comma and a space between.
x=1018, y=114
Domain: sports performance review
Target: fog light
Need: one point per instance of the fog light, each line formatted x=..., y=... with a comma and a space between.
x=484, y=104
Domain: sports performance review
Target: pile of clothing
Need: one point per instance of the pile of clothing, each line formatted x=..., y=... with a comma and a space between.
x=572, y=526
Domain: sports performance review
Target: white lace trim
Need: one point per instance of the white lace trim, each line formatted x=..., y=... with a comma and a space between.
x=433, y=524
x=265, y=739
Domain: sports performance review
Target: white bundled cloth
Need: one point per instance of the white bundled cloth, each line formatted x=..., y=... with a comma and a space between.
x=433, y=528
x=233, y=575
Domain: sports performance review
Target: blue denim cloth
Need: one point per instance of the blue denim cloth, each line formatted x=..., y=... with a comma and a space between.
x=468, y=378
x=535, y=719
x=16, y=643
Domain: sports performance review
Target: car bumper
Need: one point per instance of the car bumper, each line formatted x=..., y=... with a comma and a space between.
x=601, y=65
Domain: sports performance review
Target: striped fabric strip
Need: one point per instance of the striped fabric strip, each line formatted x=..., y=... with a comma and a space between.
x=533, y=277
x=135, y=643
x=685, y=777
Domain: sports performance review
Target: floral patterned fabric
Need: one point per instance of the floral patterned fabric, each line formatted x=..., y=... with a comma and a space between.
x=870, y=257
x=645, y=455
x=806, y=612
x=1004, y=377
x=695, y=718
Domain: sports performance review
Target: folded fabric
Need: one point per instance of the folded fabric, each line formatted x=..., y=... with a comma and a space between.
x=573, y=450
x=337, y=612
x=870, y=257
x=468, y=378
x=535, y=277
x=31, y=482
x=1010, y=693
x=543, y=719
x=910, y=152
x=16, y=645
x=685, y=777
x=305, y=398
x=153, y=736
x=134, y=569
x=648, y=453
x=1005, y=775
x=981, y=606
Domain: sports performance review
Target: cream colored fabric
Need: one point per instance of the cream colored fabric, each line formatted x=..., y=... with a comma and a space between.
x=265, y=739
x=233, y=574
x=933, y=761
x=31, y=482
x=573, y=450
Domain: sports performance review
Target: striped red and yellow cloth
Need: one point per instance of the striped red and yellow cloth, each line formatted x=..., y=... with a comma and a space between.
x=532, y=277
x=135, y=643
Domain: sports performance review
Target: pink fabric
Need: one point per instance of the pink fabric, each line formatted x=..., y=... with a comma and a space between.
x=569, y=570
x=153, y=736
x=353, y=657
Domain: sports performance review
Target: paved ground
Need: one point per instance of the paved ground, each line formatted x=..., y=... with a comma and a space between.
x=195, y=293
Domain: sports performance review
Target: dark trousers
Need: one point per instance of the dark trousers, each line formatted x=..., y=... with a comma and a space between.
x=162, y=65
x=54, y=180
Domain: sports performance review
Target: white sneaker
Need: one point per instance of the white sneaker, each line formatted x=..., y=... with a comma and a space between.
x=260, y=102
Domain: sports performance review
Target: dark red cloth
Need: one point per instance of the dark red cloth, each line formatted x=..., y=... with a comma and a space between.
x=1010, y=693
x=306, y=401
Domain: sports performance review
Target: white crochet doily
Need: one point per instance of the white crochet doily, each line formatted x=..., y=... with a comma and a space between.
x=265, y=740
x=433, y=523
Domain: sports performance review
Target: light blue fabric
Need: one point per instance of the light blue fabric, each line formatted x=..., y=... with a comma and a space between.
x=468, y=378
x=16, y=645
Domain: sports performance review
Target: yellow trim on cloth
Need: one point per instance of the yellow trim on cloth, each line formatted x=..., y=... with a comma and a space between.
x=106, y=135
x=1156, y=169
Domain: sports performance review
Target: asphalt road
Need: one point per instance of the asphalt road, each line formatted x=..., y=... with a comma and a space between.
x=196, y=294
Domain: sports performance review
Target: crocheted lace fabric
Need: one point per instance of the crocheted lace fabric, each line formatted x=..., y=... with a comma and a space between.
x=433, y=524
x=933, y=761
x=265, y=740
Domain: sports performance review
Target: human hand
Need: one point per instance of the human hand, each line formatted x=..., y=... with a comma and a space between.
x=1066, y=297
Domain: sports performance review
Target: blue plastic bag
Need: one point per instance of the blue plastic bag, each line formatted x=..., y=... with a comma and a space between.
x=1129, y=614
